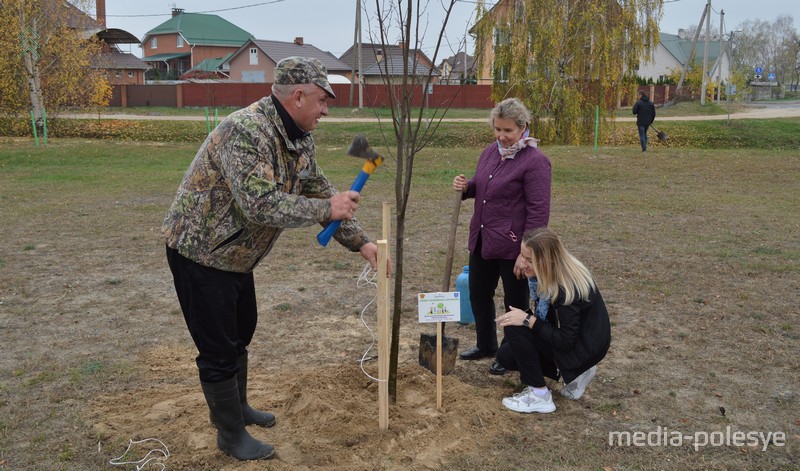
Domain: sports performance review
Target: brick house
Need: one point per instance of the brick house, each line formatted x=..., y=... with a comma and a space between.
x=459, y=68
x=372, y=54
x=186, y=40
x=255, y=60
x=120, y=68
x=671, y=52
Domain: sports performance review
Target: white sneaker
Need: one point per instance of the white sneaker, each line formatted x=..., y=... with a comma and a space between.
x=577, y=387
x=528, y=401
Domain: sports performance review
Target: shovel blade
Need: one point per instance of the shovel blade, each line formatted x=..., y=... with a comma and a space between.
x=427, y=353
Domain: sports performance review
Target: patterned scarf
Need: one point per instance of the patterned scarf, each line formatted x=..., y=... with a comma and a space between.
x=511, y=151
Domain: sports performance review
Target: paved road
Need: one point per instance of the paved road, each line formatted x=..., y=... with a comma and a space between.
x=762, y=110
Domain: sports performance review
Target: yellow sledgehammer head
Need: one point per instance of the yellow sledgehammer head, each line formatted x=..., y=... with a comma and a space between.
x=360, y=148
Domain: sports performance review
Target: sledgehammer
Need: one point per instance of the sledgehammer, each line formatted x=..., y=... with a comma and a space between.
x=358, y=148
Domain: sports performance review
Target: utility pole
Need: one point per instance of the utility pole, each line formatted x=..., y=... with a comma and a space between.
x=690, y=58
x=357, y=60
x=353, y=70
x=719, y=58
x=705, y=54
x=360, y=59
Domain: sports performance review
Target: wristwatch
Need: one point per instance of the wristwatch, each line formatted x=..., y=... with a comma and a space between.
x=527, y=321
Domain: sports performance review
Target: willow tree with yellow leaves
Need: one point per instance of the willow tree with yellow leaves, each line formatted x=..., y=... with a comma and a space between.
x=49, y=57
x=566, y=59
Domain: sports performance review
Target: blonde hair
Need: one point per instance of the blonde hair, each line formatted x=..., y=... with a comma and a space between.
x=513, y=109
x=557, y=269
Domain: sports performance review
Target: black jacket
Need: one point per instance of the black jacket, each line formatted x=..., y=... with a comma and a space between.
x=580, y=334
x=645, y=112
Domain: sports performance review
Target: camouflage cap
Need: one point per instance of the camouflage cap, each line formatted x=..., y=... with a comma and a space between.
x=297, y=70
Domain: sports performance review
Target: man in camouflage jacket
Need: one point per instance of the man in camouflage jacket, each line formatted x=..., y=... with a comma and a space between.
x=255, y=175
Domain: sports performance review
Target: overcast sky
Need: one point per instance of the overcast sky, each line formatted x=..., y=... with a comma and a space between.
x=329, y=24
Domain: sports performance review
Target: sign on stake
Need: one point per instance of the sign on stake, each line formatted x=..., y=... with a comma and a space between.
x=439, y=307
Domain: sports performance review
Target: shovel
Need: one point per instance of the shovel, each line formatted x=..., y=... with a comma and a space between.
x=427, y=342
x=661, y=135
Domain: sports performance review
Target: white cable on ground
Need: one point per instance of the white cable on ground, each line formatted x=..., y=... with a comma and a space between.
x=147, y=460
x=367, y=278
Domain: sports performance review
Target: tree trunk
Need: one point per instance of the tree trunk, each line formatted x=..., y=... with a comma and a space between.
x=32, y=71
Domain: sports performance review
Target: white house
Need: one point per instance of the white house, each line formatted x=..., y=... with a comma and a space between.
x=673, y=51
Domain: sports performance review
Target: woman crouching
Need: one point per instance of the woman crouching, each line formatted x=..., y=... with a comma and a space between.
x=569, y=341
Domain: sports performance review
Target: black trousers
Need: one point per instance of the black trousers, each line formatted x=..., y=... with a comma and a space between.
x=483, y=278
x=220, y=311
x=523, y=351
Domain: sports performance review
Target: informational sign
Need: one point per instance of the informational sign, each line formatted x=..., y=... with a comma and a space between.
x=730, y=89
x=439, y=307
x=771, y=77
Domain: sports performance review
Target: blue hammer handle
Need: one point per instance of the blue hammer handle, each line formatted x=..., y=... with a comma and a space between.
x=325, y=235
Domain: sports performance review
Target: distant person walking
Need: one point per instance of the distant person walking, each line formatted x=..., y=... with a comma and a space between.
x=645, y=112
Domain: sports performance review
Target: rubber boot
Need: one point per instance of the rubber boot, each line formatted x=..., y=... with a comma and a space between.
x=226, y=414
x=251, y=416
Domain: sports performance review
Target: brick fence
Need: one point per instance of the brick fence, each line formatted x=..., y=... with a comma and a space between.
x=658, y=94
x=217, y=94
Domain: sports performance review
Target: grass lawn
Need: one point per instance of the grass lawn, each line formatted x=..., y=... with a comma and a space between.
x=693, y=108
x=695, y=250
x=334, y=112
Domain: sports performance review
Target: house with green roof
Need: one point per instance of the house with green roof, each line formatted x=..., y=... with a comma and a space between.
x=209, y=69
x=186, y=40
x=673, y=51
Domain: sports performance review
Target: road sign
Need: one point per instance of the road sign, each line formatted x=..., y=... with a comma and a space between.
x=771, y=77
x=759, y=70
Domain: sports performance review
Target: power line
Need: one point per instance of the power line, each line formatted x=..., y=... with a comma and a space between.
x=205, y=11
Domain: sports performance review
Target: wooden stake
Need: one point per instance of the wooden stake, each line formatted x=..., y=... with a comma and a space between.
x=387, y=221
x=383, y=322
x=448, y=272
x=439, y=365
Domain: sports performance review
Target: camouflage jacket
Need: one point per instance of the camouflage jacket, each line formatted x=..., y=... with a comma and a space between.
x=246, y=184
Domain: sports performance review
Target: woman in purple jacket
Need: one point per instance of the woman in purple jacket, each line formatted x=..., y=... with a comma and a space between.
x=511, y=188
